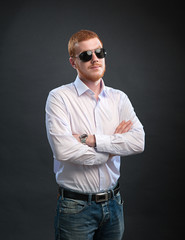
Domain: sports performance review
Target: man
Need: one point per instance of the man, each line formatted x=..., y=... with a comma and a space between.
x=89, y=126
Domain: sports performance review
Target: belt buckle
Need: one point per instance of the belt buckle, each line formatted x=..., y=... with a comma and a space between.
x=101, y=197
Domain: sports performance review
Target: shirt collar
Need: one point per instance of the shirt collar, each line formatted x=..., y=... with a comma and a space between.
x=82, y=88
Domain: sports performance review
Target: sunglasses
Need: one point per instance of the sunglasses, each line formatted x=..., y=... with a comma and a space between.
x=87, y=55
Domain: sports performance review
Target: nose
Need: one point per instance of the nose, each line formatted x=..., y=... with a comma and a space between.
x=94, y=58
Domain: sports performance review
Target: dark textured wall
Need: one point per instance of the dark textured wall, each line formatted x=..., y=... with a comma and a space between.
x=145, y=45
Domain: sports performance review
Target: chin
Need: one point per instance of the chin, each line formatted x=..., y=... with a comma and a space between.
x=92, y=77
x=95, y=78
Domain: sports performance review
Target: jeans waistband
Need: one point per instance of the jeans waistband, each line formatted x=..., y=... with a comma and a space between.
x=97, y=197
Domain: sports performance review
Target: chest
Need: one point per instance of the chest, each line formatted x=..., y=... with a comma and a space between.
x=87, y=115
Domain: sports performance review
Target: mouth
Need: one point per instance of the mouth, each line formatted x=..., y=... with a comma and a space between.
x=95, y=67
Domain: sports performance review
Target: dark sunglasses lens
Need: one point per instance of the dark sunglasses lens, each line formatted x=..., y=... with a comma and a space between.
x=85, y=56
x=100, y=53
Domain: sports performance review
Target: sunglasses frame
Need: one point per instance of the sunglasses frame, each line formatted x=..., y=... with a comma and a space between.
x=88, y=57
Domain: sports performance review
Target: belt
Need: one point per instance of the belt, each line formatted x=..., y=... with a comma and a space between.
x=97, y=197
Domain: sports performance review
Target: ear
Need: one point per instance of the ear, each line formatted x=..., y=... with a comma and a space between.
x=72, y=61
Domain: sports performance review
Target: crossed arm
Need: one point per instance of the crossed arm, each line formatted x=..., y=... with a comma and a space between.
x=127, y=139
x=123, y=127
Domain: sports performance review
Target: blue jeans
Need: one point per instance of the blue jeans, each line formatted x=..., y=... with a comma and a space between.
x=81, y=220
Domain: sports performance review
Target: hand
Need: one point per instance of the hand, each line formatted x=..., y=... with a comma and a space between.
x=77, y=137
x=90, y=141
x=124, y=127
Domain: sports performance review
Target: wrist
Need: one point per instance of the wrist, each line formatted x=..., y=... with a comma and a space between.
x=83, y=138
x=91, y=141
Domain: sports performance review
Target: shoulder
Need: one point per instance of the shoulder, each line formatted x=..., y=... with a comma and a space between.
x=62, y=91
x=61, y=94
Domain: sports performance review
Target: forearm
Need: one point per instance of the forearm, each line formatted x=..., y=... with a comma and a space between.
x=90, y=140
x=67, y=148
x=125, y=144
x=63, y=144
x=126, y=140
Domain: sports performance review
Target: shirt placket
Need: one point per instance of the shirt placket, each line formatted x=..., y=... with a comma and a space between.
x=103, y=174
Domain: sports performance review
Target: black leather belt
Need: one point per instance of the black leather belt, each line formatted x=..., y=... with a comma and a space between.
x=98, y=197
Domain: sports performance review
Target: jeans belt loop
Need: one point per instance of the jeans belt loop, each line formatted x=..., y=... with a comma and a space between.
x=62, y=194
x=112, y=190
x=89, y=199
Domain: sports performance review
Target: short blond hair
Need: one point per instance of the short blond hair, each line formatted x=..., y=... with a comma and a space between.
x=80, y=36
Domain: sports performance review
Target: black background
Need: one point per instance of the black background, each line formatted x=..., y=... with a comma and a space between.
x=145, y=45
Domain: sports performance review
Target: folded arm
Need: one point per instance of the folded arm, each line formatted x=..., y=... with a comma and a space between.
x=128, y=138
x=64, y=145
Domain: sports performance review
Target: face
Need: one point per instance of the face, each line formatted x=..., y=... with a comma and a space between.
x=92, y=70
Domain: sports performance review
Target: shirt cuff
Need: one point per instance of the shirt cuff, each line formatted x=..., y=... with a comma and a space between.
x=103, y=142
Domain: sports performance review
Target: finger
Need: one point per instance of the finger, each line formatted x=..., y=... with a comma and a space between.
x=127, y=127
x=119, y=127
x=124, y=127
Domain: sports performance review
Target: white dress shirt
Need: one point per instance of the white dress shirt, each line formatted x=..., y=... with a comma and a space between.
x=73, y=109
